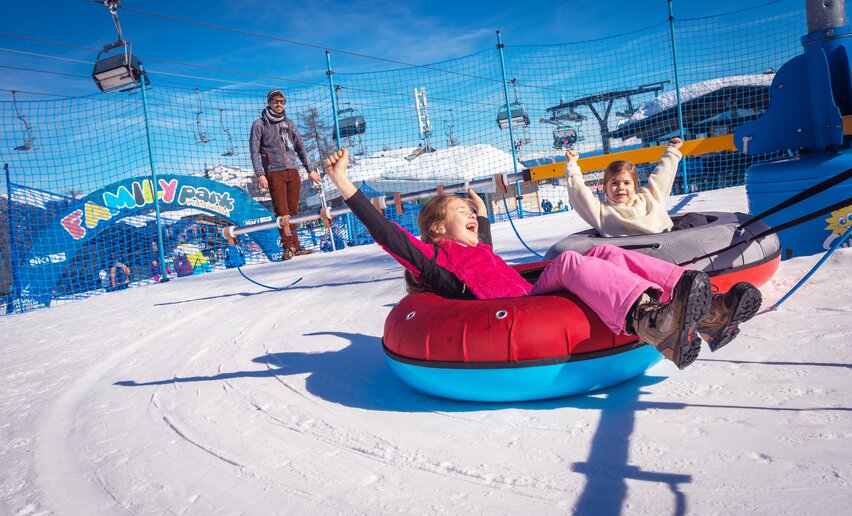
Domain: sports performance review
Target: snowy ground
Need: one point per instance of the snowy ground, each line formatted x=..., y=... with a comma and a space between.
x=210, y=395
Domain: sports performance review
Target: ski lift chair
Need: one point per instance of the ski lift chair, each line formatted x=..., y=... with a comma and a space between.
x=231, y=150
x=28, y=143
x=120, y=71
x=516, y=114
x=565, y=136
x=351, y=123
x=200, y=135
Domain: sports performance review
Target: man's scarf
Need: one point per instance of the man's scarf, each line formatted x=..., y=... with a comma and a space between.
x=272, y=117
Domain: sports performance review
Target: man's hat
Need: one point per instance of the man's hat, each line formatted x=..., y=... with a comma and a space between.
x=275, y=93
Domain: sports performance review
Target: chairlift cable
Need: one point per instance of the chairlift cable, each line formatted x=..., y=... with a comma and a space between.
x=310, y=45
x=46, y=71
x=39, y=93
x=147, y=58
x=300, y=43
x=204, y=67
x=172, y=74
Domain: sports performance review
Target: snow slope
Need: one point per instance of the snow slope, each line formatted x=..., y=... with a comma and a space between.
x=211, y=395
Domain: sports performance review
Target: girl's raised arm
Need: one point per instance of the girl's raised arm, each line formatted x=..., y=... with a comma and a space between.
x=584, y=201
x=336, y=166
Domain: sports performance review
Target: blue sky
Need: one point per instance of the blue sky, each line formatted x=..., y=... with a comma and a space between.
x=415, y=31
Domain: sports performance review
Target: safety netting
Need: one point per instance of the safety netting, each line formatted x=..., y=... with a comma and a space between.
x=118, y=190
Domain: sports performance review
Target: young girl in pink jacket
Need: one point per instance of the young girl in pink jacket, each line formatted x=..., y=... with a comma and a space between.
x=631, y=292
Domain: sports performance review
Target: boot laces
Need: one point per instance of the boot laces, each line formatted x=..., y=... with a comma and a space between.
x=652, y=308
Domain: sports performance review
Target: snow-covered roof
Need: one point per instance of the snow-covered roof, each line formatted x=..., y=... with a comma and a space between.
x=668, y=99
x=390, y=171
x=35, y=197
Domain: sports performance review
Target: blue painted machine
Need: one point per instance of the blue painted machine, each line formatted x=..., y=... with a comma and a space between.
x=810, y=110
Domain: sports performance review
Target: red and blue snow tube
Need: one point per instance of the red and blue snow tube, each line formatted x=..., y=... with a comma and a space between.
x=512, y=349
x=518, y=349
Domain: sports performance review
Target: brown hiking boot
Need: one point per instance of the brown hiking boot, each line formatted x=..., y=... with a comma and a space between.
x=302, y=251
x=721, y=324
x=670, y=327
x=288, y=254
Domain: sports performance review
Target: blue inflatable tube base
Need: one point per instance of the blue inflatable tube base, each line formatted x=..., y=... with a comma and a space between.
x=502, y=384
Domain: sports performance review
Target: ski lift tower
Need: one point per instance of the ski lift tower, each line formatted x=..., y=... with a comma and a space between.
x=423, y=122
x=606, y=101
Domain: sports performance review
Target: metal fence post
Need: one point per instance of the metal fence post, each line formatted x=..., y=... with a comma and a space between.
x=677, y=90
x=143, y=78
x=511, y=131
x=330, y=73
x=12, y=252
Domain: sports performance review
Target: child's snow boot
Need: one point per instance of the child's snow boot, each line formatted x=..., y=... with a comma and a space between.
x=670, y=327
x=721, y=324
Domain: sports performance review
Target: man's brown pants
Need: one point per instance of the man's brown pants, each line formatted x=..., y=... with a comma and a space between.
x=284, y=188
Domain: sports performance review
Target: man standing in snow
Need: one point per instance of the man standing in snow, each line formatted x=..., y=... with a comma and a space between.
x=274, y=143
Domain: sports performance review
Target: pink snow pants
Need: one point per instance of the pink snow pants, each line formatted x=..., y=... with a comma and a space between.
x=609, y=280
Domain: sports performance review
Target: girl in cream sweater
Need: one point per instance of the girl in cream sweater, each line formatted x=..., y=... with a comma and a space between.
x=626, y=210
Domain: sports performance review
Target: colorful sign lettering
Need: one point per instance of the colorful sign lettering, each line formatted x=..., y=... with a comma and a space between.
x=139, y=194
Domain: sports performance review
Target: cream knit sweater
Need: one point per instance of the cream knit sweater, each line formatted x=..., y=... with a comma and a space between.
x=644, y=213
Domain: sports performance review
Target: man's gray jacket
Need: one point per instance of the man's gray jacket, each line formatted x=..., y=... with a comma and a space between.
x=275, y=146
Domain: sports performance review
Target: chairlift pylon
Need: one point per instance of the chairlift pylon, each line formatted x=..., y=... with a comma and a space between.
x=200, y=136
x=560, y=114
x=423, y=123
x=28, y=144
x=231, y=150
x=600, y=105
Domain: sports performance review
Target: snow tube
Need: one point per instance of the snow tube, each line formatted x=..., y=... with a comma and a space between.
x=538, y=347
x=513, y=349
x=754, y=262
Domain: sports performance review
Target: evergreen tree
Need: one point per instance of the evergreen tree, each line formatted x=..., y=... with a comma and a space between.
x=316, y=135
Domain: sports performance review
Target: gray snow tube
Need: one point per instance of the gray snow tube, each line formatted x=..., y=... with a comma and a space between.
x=683, y=245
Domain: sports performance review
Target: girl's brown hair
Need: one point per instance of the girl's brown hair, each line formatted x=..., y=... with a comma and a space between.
x=434, y=212
x=431, y=214
x=617, y=167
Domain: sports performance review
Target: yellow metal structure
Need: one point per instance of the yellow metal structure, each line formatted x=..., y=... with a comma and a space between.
x=644, y=155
